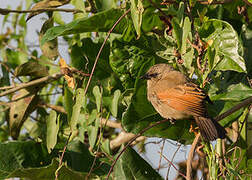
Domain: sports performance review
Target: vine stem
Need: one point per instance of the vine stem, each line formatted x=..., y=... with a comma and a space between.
x=103, y=44
x=91, y=75
x=62, y=156
x=131, y=141
x=190, y=157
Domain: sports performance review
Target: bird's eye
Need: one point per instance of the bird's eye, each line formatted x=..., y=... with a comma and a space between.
x=153, y=75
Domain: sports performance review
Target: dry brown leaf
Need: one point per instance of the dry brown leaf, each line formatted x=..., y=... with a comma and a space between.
x=23, y=103
x=65, y=69
x=46, y=4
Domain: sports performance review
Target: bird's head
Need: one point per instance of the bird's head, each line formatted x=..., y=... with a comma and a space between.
x=157, y=71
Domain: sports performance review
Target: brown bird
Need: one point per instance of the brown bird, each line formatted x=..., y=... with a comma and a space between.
x=174, y=97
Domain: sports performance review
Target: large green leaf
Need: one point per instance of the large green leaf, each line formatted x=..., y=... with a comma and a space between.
x=247, y=43
x=224, y=101
x=131, y=166
x=236, y=92
x=49, y=48
x=20, y=155
x=137, y=14
x=31, y=160
x=77, y=108
x=31, y=68
x=225, y=44
x=22, y=105
x=52, y=129
x=100, y=22
x=126, y=58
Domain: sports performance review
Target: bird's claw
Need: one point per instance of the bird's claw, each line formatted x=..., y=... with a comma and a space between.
x=172, y=121
x=193, y=129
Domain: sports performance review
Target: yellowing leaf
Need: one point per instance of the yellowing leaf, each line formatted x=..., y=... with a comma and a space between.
x=63, y=63
x=210, y=42
x=70, y=81
x=210, y=1
x=65, y=69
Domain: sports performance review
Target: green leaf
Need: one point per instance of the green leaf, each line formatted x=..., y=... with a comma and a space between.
x=220, y=107
x=131, y=166
x=137, y=14
x=21, y=155
x=151, y=19
x=31, y=160
x=79, y=4
x=49, y=48
x=177, y=32
x=52, y=124
x=114, y=103
x=93, y=126
x=225, y=44
x=105, y=146
x=23, y=103
x=186, y=31
x=31, y=68
x=100, y=22
x=126, y=58
x=98, y=97
x=246, y=36
x=68, y=102
x=79, y=102
x=48, y=172
x=15, y=58
x=236, y=92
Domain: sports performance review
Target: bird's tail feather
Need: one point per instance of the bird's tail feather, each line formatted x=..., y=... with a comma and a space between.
x=210, y=129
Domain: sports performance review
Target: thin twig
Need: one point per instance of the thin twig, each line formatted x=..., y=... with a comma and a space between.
x=173, y=166
x=54, y=107
x=32, y=83
x=122, y=138
x=200, y=1
x=103, y=44
x=244, y=103
x=7, y=11
x=169, y=166
x=190, y=158
x=161, y=153
x=132, y=140
x=110, y=123
x=62, y=155
x=99, y=139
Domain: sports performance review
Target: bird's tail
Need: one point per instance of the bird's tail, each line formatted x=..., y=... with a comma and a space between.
x=210, y=129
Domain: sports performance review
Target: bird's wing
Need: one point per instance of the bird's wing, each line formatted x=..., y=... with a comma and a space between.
x=188, y=98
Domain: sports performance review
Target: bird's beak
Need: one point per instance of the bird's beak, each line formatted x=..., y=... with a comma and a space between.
x=145, y=76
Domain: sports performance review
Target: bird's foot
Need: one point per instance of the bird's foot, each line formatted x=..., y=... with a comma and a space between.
x=172, y=121
x=193, y=129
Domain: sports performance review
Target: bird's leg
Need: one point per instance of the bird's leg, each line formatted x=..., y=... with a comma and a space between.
x=172, y=121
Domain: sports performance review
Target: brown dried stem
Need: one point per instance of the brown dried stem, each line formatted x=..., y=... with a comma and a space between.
x=190, y=157
x=32, y=83
x=102, y=46
x=7, y=11
x=244, y=103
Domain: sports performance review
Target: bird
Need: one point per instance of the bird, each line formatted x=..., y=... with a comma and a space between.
x=174, y=96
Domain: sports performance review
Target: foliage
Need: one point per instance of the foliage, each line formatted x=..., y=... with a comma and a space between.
x=209, y=41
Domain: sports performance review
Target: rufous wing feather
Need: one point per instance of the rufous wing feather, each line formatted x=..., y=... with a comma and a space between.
x=186, y=98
